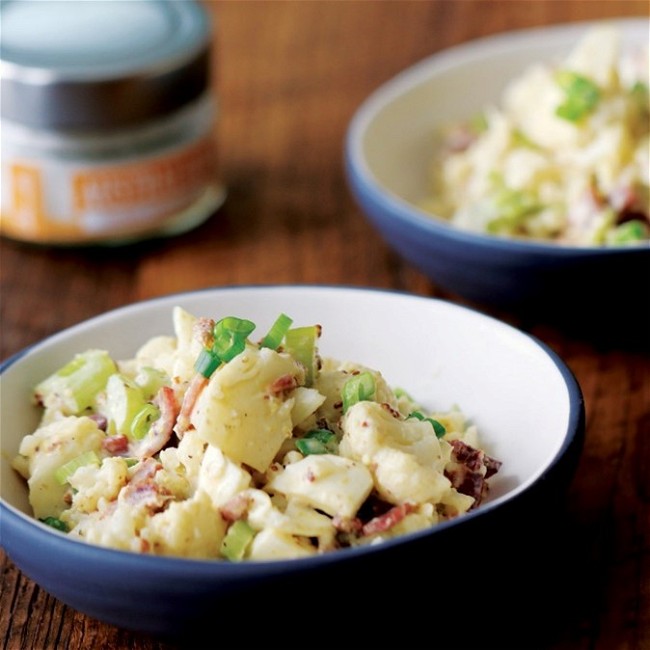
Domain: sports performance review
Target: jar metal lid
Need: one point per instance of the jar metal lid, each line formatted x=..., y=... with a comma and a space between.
x=88, y=64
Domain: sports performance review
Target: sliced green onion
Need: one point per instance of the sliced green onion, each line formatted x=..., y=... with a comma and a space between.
x=317, y=441
x=358, y=388
x=300, y=343
x=237, y=539
x=63, y=473
x=207, y=362
x=277, y=332
x=230, y=336
x=581, y=96
x=55, y=523
x=143, y=420
x=438, y=427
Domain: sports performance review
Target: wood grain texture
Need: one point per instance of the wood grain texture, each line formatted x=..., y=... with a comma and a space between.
x=289, y=76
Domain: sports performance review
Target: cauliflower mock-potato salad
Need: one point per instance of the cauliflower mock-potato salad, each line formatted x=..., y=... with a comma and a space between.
x=563, y=157
x=212, y=444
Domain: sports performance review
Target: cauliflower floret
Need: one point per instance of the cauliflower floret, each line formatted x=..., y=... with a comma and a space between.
x=93, y=483
x=158, y=352
x=115, y=526
x=186, y=458
x=191, y=528
x=244, y=409
x=188, y=345
x=175, y=355
x=220, y=478
x=330, y=382
x=369, y=427
x=274, y=544
x=405, y=456
x=46, y=450
x=335, y=485
x=306, y=403
x=400, y=477
x=297, y=518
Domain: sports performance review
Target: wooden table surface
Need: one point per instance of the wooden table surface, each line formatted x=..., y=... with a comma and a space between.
x=289, y=76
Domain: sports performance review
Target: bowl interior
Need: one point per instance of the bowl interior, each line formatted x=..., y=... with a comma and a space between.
x=519, y=393
x=392, y=136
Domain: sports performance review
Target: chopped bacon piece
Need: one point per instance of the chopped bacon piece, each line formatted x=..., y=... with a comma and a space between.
x=468, y=470
x=387, y=520
x=347, y=524
x=100, y=420
x=235, y=508
x=146, y=469
x=116, y=445
x=283, y=384
x=142, y=490
x=198, y=383
x=203, y=331
x=147, y=494
x=492, y=466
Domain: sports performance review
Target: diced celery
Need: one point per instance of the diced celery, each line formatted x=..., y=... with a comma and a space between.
x=74, y=387
x=358, y=388
x=124, y=400
x=237, y=539
x=512, y=208
x=300, y=343
x=628, y=232
x=63, y=473
x=151, y=380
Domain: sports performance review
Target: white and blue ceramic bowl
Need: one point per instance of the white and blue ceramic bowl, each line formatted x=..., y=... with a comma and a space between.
x=388, y=153
x=524, y=399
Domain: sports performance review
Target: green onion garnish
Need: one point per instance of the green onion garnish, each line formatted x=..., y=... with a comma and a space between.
x=207, y=362
x=237, y=539
x=277, y=332
x=358, y=388
x=55, y=523
x=317, y=441
x=63, y=473
x=230, y=335
x=581, y=96
x=143, y=419
x=437, y=426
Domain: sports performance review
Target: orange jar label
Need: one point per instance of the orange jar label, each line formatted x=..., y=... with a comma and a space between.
x=64, y=201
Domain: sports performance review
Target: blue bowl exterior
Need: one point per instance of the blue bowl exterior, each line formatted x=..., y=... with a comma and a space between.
x=506, y=273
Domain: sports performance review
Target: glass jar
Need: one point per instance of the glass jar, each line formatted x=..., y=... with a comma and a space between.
x=107, y=120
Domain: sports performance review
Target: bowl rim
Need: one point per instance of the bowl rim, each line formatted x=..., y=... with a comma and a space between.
x=26, y=526
x=364, y=181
